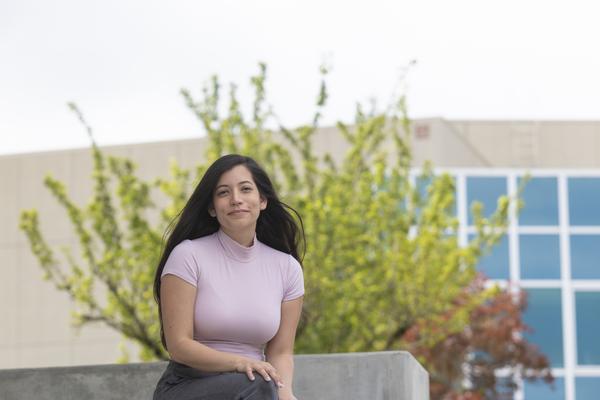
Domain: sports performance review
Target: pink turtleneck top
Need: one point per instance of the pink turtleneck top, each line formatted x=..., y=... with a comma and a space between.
x=239, y=290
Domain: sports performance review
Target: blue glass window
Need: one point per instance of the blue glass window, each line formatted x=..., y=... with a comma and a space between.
x=495, y=264
x=485, y=190
x=585, y=256
x=584, y=201
x=422, y=183
x=587, y=310
x=505, y=389
x=587, y=388
x=539, y=256
x=540, y=390
x=544, y=316
x=541, y=202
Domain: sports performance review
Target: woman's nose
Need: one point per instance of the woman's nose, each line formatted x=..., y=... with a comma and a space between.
x=235, y=197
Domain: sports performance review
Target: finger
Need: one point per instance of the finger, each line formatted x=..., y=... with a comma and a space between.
x=276, y=377
x=264, y=373
x=270, y=369
x=249, y=373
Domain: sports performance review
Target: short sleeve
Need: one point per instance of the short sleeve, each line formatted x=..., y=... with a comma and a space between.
x=181, y=263
x=295, y=281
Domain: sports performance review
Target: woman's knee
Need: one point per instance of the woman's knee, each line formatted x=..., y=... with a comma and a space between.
x=260, y=389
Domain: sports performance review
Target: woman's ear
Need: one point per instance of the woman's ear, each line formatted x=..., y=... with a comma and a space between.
x=211, y=212
x=263, y=202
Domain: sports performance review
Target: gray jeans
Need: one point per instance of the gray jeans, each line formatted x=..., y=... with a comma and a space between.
x=180, y=382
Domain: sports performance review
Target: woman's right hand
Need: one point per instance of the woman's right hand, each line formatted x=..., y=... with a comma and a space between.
x=268, y=372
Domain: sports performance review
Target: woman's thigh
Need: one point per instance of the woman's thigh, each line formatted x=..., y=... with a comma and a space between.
x=181, y=382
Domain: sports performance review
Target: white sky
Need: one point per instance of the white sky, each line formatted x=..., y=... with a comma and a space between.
x=124, y=62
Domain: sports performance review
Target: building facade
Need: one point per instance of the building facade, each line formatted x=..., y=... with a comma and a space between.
x=552, y=249
x=552, y=252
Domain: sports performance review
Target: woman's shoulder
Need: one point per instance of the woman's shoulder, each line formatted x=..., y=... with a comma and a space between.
x=270, y=251
x=278, y=255
x=198, y=244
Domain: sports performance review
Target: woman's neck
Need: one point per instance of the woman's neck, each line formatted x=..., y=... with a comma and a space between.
x=244, y=238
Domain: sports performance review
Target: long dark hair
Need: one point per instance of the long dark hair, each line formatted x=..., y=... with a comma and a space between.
x=275, y=226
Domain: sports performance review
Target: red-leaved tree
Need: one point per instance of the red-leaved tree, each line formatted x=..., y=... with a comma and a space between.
x=492, y=341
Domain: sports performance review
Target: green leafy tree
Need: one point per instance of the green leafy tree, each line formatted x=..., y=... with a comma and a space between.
x=381, y=256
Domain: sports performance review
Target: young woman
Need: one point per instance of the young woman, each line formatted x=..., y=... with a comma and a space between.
x=229, y=287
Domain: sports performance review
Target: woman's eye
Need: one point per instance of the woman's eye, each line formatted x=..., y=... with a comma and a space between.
x=221, y=193
x=247, y=189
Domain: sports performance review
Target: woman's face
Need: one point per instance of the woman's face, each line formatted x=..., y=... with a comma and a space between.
x=236, y=200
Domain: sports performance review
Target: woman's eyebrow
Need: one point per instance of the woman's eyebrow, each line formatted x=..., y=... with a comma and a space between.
x=242, y=182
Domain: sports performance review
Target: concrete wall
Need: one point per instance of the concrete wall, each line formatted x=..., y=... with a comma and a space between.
x=534, y=144
x=36, y=329
x=357, y=376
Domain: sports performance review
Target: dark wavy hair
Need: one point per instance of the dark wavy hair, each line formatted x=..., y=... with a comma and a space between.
x=275, y=226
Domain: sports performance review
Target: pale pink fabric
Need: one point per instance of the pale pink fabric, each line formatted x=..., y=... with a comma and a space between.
x=239, y=290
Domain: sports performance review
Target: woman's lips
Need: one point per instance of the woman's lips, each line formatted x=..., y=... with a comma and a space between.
x=238, y=212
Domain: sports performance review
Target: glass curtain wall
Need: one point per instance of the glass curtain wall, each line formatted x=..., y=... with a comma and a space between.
x=552, y=251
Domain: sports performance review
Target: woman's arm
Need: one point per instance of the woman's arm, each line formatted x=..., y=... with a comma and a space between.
x=280, y=349
x=177, y=300
x=177, y=305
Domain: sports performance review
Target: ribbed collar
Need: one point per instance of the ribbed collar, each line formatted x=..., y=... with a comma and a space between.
x=235, y=250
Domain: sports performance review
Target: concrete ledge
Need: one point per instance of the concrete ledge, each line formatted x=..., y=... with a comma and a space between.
x=370, y=376
x=393, y=375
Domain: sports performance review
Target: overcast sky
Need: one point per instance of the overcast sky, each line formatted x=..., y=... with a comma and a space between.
x=124, y=62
